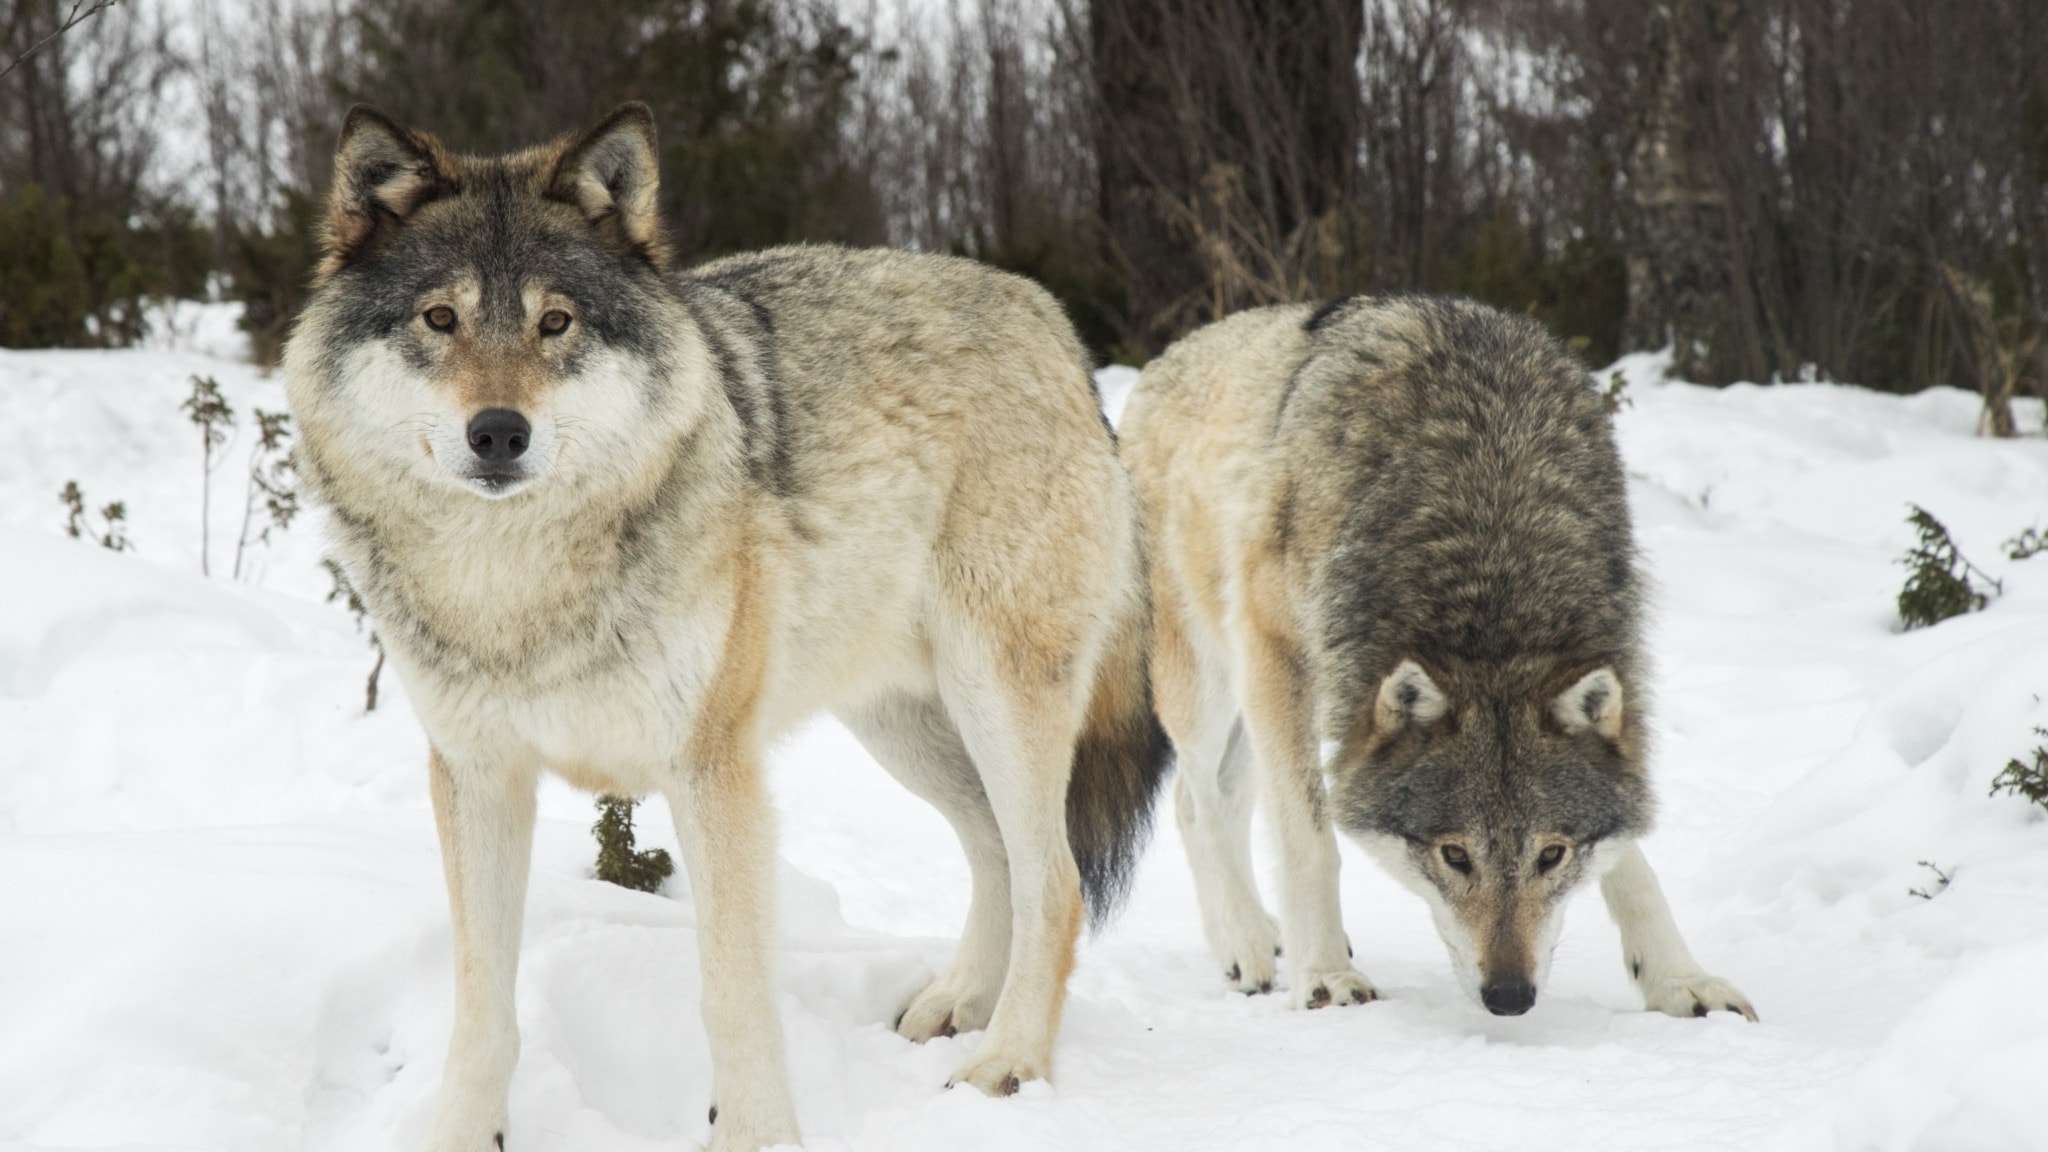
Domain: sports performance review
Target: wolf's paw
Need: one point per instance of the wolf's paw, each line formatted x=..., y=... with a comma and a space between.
x=1324, y=989
x=1250, y=959
x=944, y=1010
x=998, y=1073
x=1693, y=994
x=737, y=1131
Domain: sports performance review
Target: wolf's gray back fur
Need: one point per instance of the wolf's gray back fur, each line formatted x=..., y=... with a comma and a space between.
x=1484, y=529
x=1486, y=521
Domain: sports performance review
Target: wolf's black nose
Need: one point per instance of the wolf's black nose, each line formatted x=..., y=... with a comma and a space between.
x=1508, y=997
x=498, y=434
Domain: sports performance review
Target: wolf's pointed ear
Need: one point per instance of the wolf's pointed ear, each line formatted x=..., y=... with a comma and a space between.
x=1408, y=696
x=383, y=173
x=613, y=173
x=1594, y=702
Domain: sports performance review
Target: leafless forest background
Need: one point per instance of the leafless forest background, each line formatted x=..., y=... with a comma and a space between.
x=1842, y=189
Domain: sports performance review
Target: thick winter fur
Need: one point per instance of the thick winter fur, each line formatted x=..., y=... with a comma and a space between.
x=1398, y=527
x=870, y=482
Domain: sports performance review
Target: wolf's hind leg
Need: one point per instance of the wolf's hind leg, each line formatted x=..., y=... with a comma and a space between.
x=484, y=814
x=1658, y=960
x=1213, y=806
x=1019, y=727
x=1214, y=810
x=1213, y=798
x=919, y=746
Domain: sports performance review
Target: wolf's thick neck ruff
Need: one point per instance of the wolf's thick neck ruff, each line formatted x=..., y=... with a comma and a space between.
x=469, y=587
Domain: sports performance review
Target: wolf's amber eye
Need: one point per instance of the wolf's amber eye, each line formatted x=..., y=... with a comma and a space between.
x=554, y=322
x=1549, y=857
x=1456, y=858
x=441, y=318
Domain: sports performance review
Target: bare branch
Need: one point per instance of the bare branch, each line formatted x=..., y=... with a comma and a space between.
x=81, y=11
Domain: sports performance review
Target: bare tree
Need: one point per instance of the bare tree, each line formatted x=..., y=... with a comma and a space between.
x=1227, y=139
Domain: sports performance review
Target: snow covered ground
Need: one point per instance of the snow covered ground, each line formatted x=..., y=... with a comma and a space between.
x=222, y=924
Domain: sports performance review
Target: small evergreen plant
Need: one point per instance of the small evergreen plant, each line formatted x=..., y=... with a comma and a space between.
x=113, y=532
x=617, y=860
x=1614, y=396
x=271, y=477
x=2030, y=542
x=2028, y=780
x=1938, y=576
x=210, y=413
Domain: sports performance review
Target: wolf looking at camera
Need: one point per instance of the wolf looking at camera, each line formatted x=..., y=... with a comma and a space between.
x=627, y=525
x=1398, y=526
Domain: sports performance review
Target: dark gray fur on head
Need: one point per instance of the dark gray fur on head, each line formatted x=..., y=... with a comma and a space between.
x=1485, y=536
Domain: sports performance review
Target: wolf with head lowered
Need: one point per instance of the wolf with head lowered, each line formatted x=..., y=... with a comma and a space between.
x=626, y=525
x=1396, y=594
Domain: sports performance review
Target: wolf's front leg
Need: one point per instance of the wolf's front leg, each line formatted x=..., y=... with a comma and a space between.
x=1277, y=714
x=1658, y=960
x=484, y=813
x=728, y=839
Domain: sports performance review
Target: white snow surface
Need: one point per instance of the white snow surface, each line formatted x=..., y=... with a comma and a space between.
x=222, y=923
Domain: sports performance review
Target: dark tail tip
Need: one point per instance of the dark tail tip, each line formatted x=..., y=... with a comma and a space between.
x=1119, y=762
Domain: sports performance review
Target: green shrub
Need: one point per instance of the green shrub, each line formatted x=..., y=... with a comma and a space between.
x=2023, y=779
x=2030, y=542
x=80, y=279
x=617, y=860
x=1614, y=395
x=44, y=295
x=1938, y=576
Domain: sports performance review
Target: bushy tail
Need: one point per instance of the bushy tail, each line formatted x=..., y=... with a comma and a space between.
x=1119, y=762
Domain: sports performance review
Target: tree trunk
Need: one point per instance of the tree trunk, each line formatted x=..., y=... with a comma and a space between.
x=1680, y=284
